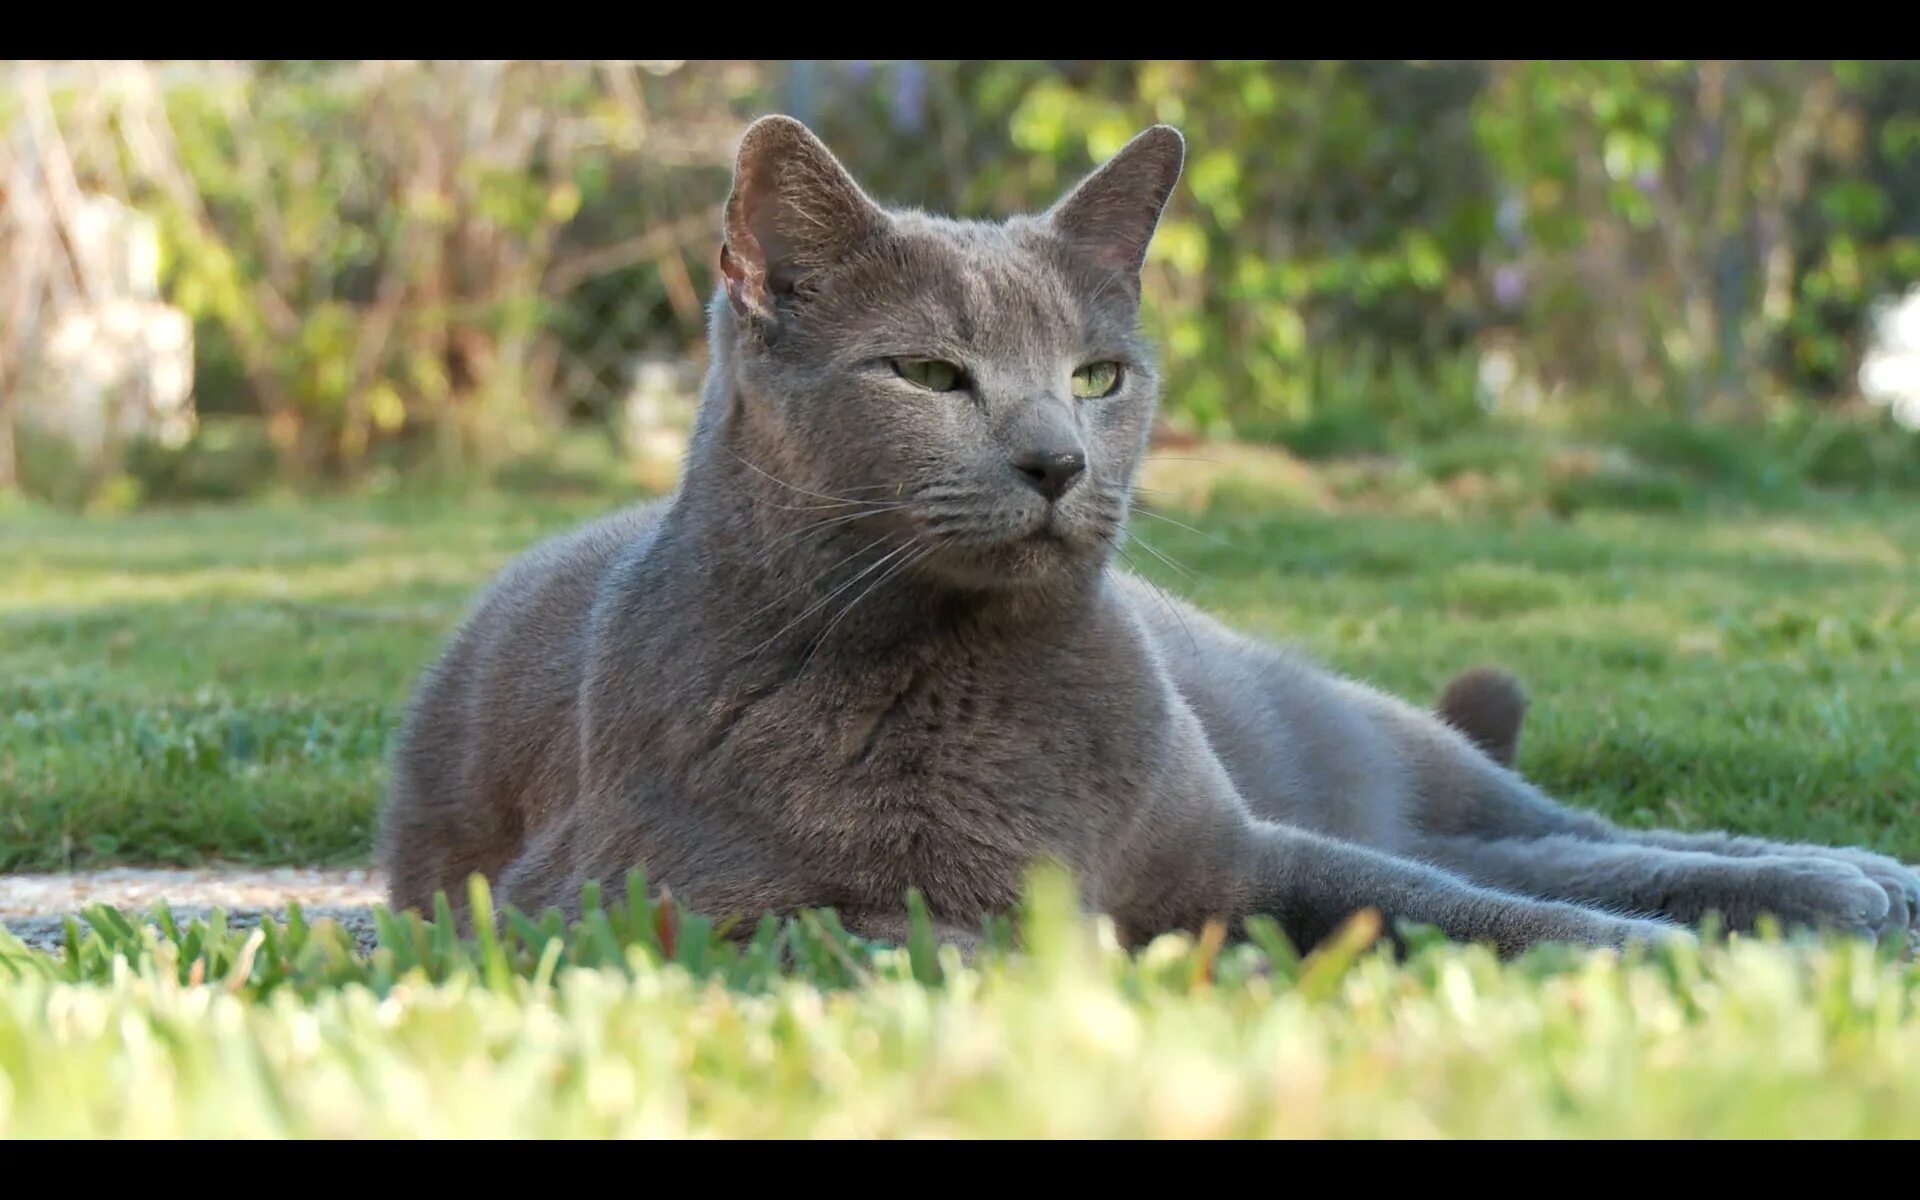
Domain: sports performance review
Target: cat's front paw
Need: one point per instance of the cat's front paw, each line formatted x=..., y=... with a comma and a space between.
x=1618, y=933
x=1651, y=931
x=1899, y=881
x=1654, y=933
x=1826, y=894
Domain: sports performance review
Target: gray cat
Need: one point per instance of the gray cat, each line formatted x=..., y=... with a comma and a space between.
x=875, y=641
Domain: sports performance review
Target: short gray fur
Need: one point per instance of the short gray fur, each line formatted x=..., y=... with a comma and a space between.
x=861, y=649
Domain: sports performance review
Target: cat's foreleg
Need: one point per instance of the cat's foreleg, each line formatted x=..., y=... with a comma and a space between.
x=1470, y=814
x=1488, y=706
x=1310, y=883
x=1196, y=853
x=1684, y=885
x=1900, y=881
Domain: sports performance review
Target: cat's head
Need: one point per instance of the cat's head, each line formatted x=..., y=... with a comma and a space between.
x=981, y=387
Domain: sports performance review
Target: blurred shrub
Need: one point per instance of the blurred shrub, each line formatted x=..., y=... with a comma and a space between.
x=52, y=468
x=228, y=458
x=436, y=264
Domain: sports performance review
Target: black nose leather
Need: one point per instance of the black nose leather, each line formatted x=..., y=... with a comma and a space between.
x=1051, y=472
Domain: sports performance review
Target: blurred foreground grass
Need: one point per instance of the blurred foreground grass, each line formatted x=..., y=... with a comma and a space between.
x=614, y=1031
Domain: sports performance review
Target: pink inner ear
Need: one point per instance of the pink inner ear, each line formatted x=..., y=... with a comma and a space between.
x=1110, y=229
x=742, y=265
x=731, y=271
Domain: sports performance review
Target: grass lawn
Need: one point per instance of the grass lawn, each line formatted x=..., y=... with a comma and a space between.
x=221, y=683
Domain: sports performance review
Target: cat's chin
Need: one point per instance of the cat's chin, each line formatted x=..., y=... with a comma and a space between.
x=1044, y=558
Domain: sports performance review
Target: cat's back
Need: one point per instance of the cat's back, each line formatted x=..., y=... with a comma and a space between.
x=1285, y=729
x=489, y=743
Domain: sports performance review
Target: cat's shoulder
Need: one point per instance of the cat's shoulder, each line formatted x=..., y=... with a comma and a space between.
x=575, y=558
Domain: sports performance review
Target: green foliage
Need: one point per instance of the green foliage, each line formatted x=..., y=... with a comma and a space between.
x=1350, y=238
x=227, y=459
x=1322, y=246
x=1698, y=236
x=389, y=282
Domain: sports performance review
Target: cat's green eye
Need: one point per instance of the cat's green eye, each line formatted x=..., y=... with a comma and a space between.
x=1096, y=380
x=929, y=373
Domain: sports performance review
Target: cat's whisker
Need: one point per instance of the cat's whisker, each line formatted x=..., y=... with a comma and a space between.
x=1164, y=557
x=1215, y=538
x=821, y=507
x=817, y=605
x=1158, y=593
x=828, y=523
x=903, y=565
x=794, y=486
x=806, y=584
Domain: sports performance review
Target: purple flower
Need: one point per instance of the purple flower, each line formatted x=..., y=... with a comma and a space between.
x=1509, y=285
x=1645, y=182
x=859, y=69
x=909, y=101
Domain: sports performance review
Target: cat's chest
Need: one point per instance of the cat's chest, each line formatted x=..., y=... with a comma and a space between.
x=945, y=775
x=918, y=734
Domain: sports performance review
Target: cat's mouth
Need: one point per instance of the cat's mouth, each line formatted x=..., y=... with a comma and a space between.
x=1045, y=548
x=1049, y=529
x=1047, y=538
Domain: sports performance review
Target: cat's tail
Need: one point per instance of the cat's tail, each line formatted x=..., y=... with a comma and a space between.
x=1486, y=704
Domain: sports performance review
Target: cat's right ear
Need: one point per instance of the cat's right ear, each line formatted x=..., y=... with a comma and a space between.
x=1108, y=219
x=793, y=211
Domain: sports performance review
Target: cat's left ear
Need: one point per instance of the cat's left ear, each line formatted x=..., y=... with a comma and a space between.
x=1109, y=218
x=794, y=211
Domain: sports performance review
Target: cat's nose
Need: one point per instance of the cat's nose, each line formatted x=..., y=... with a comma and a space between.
x=1051, y=472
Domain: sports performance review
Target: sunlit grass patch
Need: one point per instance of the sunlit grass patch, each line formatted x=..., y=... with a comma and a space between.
x=633, y=1023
